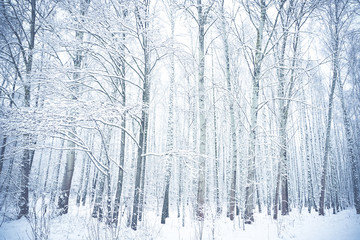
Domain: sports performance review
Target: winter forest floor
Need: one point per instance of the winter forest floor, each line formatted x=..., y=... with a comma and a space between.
x=78, y=225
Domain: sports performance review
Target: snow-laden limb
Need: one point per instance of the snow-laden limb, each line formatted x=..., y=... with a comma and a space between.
x=54, y=119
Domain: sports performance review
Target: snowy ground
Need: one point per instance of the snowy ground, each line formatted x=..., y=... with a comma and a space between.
x=77, y=225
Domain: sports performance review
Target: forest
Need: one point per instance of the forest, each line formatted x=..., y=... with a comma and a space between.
x=179, y=119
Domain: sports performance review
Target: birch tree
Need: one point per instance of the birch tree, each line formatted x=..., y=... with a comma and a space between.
x=353, y=65
x=250, y=188
x=202, y=17
x=232, y=115
x=25, y=37
x=170, y=126
x=354, y=159
x=63, y=202
x=142, y=16
x=121, y=70
x=336, y=15
x=293, y=16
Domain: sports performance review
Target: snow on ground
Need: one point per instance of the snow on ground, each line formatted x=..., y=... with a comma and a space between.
x=78, y=225
x=343, y=226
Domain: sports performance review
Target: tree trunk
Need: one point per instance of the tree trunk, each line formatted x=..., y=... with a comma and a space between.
x=170, y=127
x=142, y=191
x=335, y=63
x=250, y=188
x=354, y=159
x=98, y=211
x=28, y=153
x=327, y=143
x=119, y=184
x=144, y=122
x=63, y=204
x=85, y=188
x=83, y=169
x=232, y=117
x=200, y=211
x=55, y=180
x=2, y=152
x=283, y=166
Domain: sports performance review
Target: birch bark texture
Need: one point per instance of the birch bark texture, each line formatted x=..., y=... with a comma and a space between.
x=250, y=182
x=170, y=125
x=232, y=115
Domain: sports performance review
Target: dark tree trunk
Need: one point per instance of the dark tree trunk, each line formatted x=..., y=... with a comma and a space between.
x=2, y=152
x=335, y=63
x=28, y=153
x=144, y=122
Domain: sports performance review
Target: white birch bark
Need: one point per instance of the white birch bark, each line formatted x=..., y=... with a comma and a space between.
x=354, y=159
x=170, y=126
x=232, y=117
x=250, y=188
